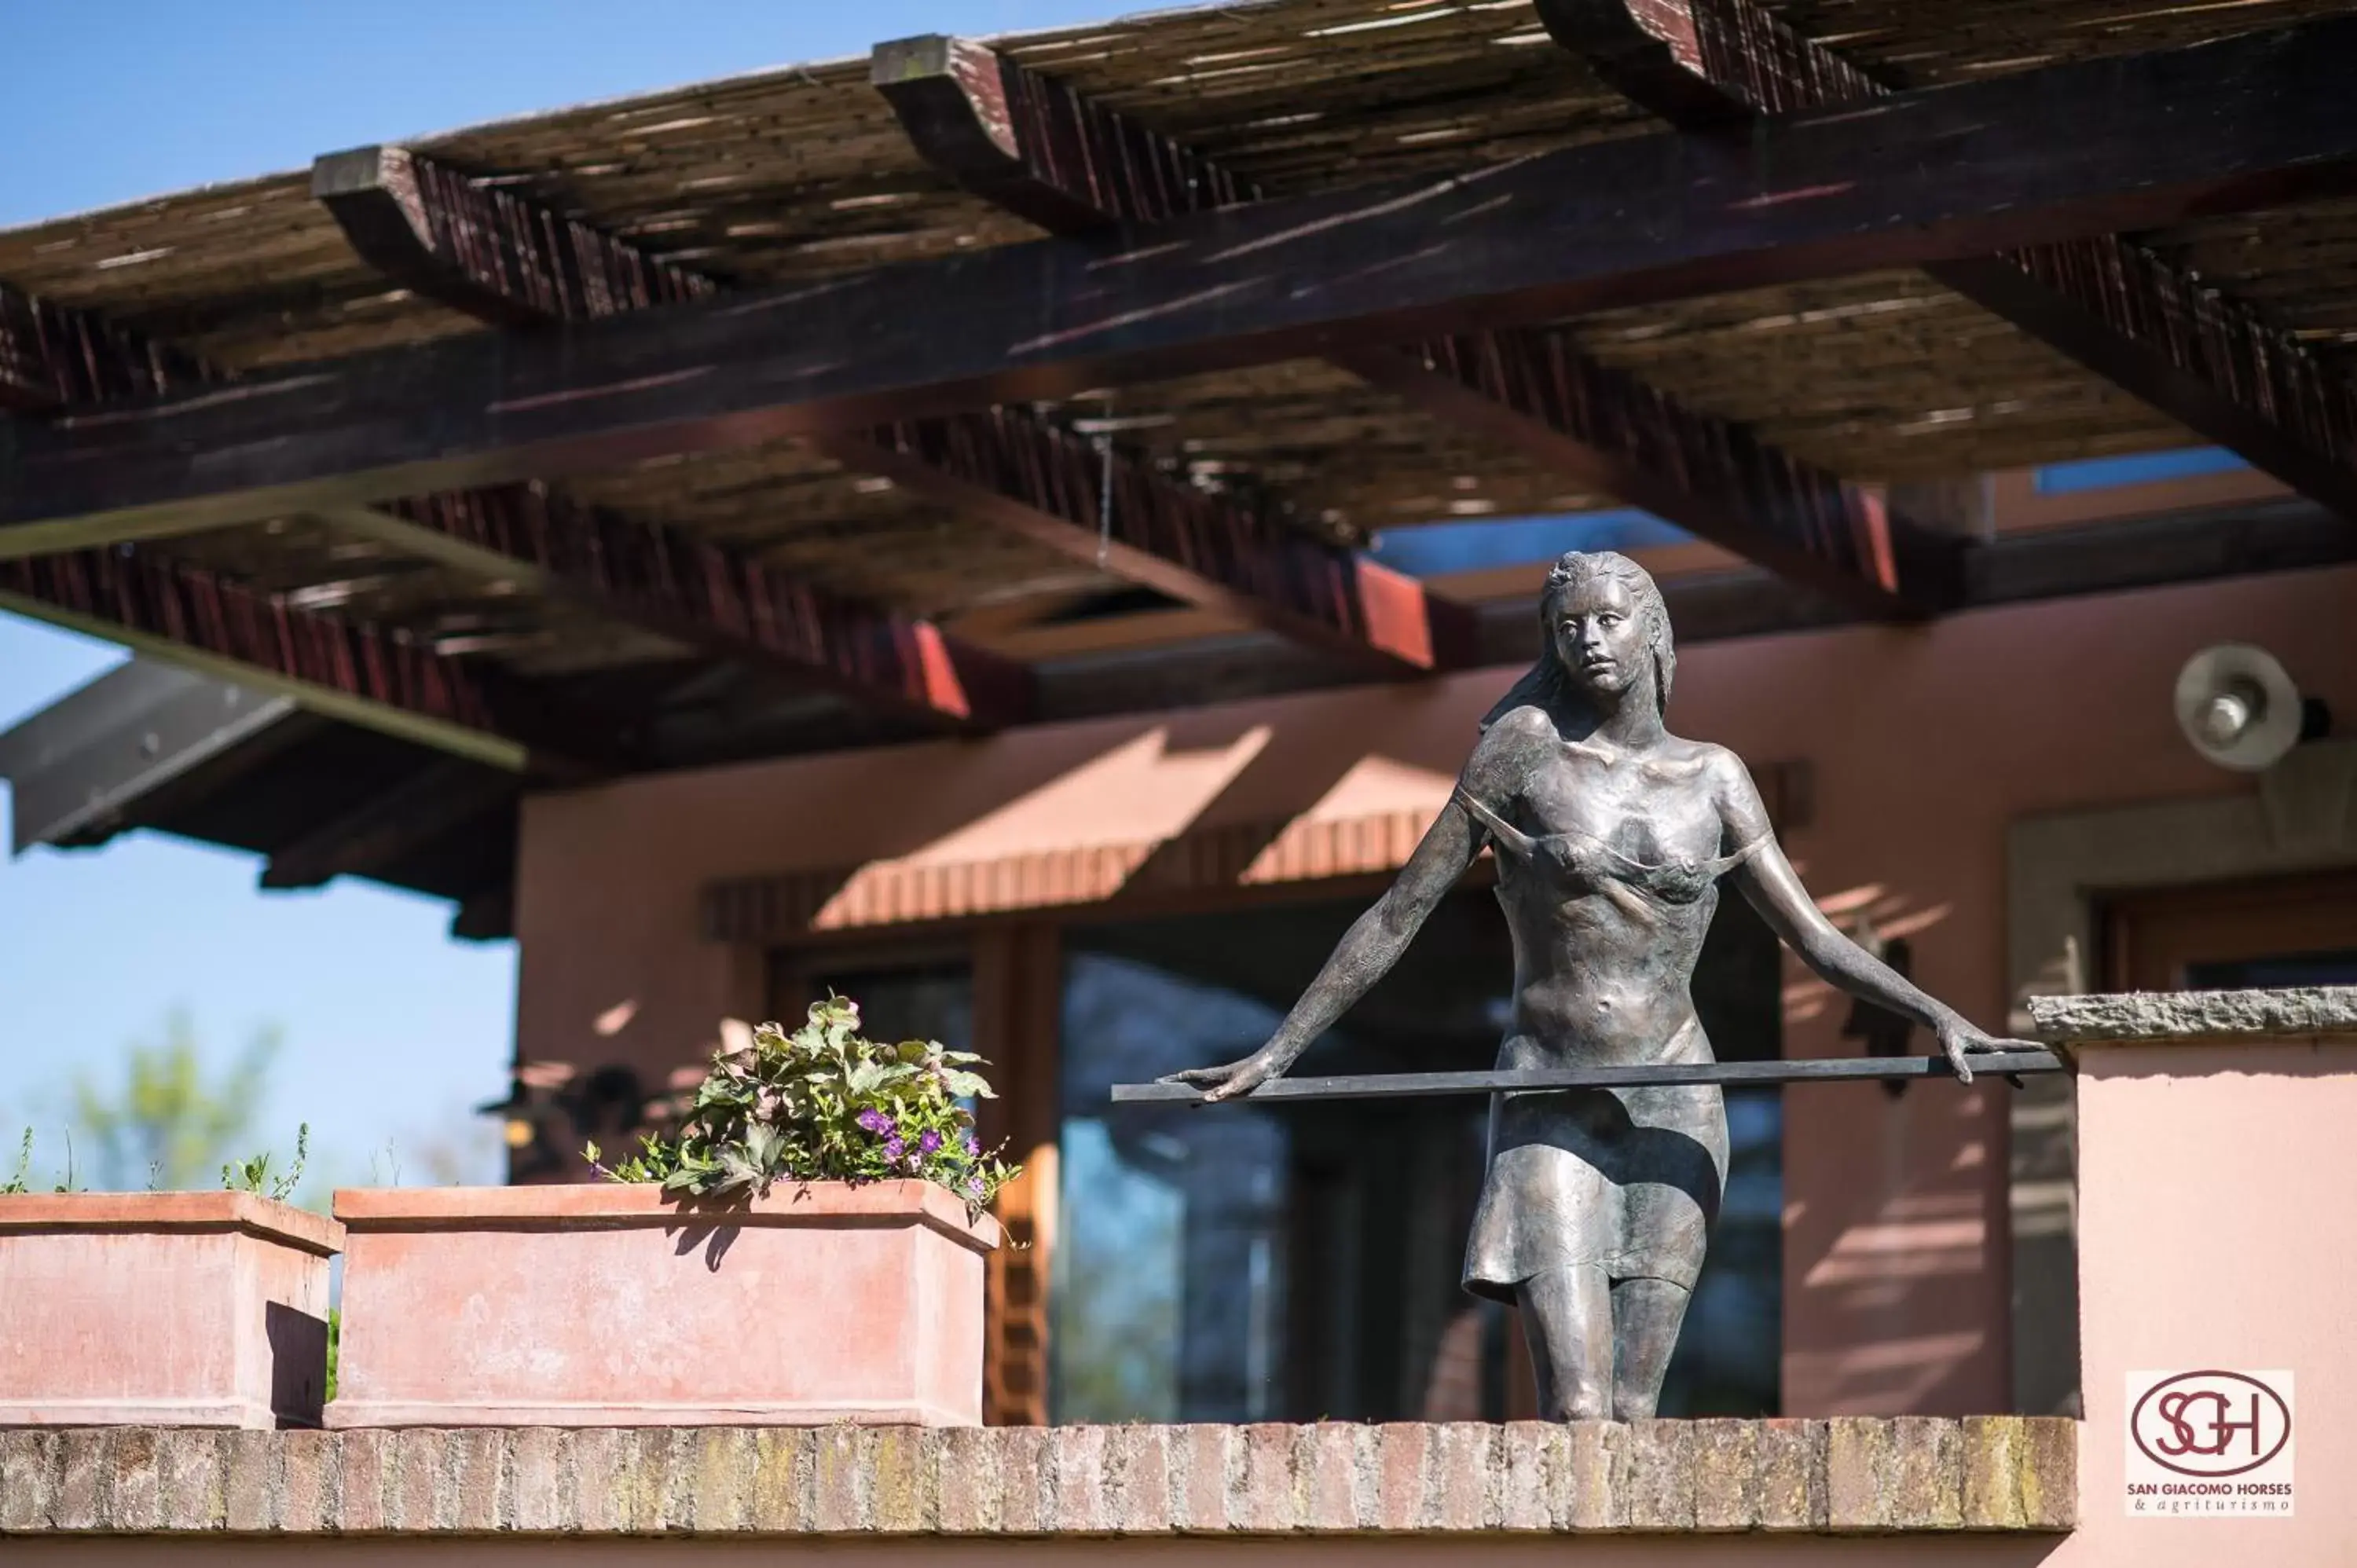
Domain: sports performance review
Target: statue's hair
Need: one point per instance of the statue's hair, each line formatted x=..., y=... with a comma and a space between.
x=1548, y=681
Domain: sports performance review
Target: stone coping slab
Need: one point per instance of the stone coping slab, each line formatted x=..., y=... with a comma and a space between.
x=1844, y=1476
x=247, y=1212
x=2159, y=1015
x=611, y=1205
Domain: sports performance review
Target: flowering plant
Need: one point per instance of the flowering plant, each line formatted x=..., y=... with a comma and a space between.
x=824, y=1104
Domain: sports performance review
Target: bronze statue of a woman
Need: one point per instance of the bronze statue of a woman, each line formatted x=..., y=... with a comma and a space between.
x=1611, y=835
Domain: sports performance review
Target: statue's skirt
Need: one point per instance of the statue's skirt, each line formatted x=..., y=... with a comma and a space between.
x=1626, y=1179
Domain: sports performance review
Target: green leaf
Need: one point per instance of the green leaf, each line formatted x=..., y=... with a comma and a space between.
x=762, y=1146
x=789, y=1108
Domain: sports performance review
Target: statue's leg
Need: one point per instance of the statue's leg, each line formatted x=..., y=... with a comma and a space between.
x=1646, y=1313
x=1568, y=1318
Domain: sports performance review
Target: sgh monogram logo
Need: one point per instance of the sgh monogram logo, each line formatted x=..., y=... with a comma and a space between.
x=2211, y=1425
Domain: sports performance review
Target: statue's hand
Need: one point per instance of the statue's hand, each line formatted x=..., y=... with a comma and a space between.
x=1959, y=1040
x=1232, y=1078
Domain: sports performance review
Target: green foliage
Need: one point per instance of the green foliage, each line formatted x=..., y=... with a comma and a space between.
x=824, y=1104
x=335, y=1347
x=168, y=1121
x=22, y=1180
x=254, y=1175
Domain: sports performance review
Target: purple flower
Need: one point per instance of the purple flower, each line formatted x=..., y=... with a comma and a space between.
x=973, y=1187
x=929, y=1143
x=893, y=1148
x=876, y=1121
x=914, y=1164
x=972, y=1147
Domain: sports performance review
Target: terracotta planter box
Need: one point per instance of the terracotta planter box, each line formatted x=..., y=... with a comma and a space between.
x=163, y=1309
x=604, y=1305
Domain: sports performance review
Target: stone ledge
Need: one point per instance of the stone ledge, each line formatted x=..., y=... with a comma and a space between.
x=1846, y=1475
x=2160, y=1016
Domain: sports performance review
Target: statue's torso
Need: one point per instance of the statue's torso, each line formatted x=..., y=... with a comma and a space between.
x=1609, y=906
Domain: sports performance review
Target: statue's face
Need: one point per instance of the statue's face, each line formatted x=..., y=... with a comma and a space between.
x=1600, y=635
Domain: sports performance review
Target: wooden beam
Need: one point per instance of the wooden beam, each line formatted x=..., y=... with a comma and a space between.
x=515, y=262
x=1701, y=64
x=2118, y=307
x=1073, y=167
x=117, y=753
x=364, y=841
x=1041, y=482
x=484, y=250
x=487, y=915
x=2089, y=146
x=52, y=355
x=55, y=356
x=702, y=593
x=2020, y=567
x=684, y=589
x=1019, y=988
x=496, y=255
x=1032, y=145
x=331, y=666
x=1535, y=392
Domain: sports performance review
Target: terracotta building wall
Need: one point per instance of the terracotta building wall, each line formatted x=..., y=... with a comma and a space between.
x=1925, y=744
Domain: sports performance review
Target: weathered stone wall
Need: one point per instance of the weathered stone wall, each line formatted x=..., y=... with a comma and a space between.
x=1840, y=1476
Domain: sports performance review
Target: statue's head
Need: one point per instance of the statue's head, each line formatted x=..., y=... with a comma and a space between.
x=1606, y=630
x=1606, y=627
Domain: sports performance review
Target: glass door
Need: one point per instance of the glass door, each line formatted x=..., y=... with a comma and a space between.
x=1302, y=1261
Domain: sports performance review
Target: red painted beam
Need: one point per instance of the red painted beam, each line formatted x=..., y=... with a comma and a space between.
x=498, y=256
x=1535, y=392
x=1048, y=154
x=334, y=667
x=491, y=254
x=2120, y=308
x=1039, y=480
x=2087, y=146
x=54, y=358
x=695, y=591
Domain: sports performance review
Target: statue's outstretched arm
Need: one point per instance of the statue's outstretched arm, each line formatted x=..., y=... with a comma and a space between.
x=1773, y=888
x=1372, y=945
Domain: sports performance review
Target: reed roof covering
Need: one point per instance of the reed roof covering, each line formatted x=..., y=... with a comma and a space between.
x=802, y=170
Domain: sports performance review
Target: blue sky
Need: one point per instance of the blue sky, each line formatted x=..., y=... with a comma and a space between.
x=391, y=1030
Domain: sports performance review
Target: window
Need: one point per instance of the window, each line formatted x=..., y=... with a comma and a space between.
x=916, y=1000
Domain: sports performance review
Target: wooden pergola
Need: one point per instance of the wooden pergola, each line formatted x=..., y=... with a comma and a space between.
x=782, y=412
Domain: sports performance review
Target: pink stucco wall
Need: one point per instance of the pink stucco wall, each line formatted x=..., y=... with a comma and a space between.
x=2215, y=1233
x=1926, y=744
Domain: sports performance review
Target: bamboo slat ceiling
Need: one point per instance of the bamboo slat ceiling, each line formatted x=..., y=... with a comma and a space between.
x=804, y=171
